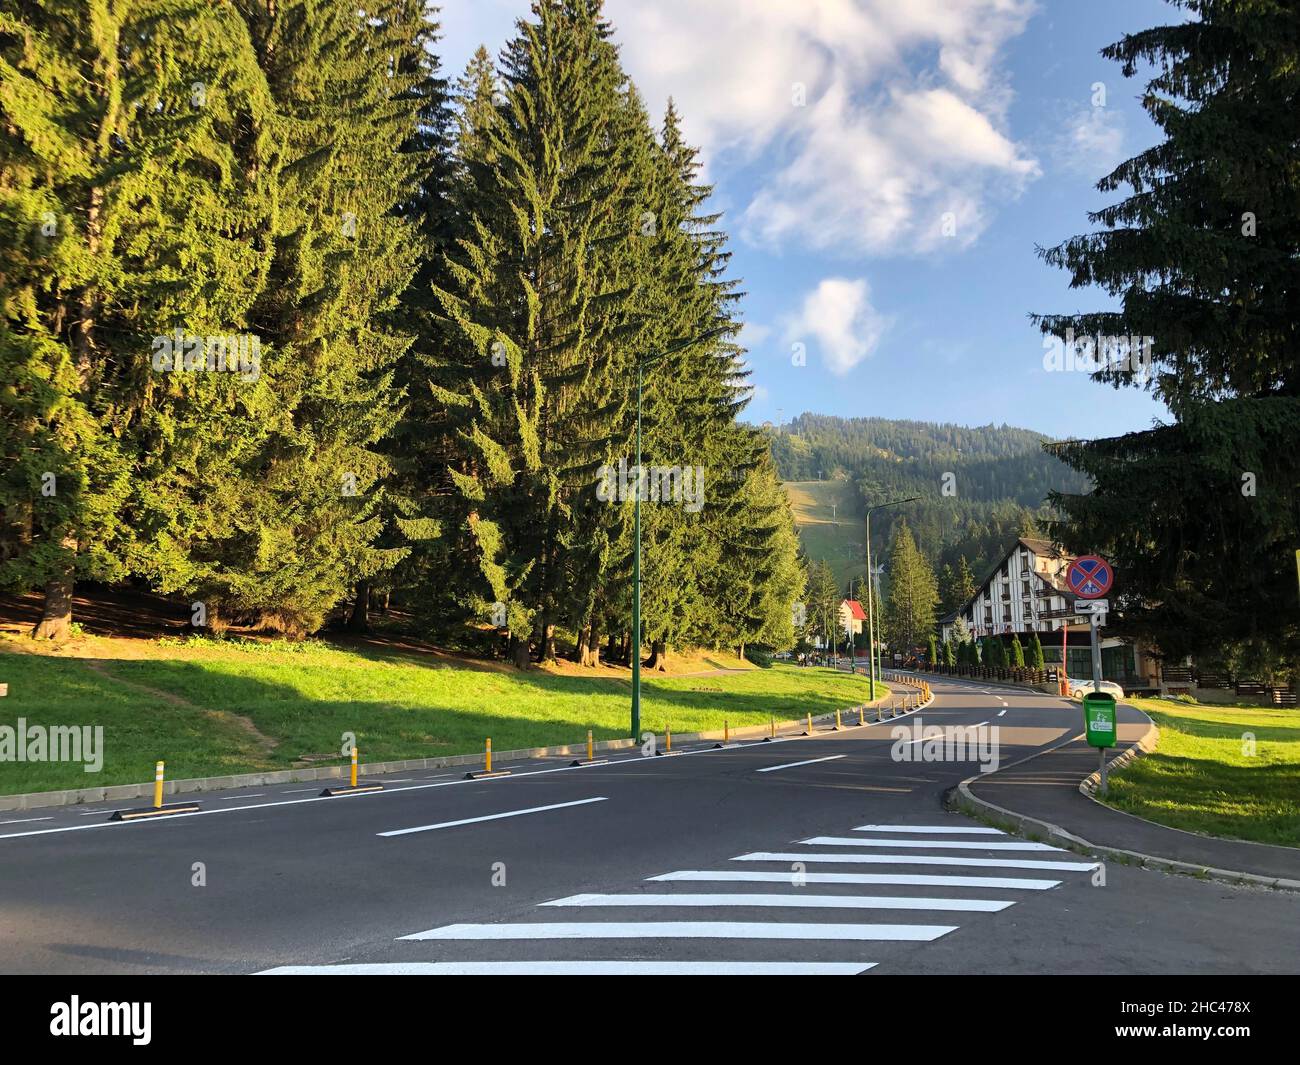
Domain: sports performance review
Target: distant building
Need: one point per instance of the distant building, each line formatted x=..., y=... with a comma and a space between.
x=852, y=616
x=1026, y=592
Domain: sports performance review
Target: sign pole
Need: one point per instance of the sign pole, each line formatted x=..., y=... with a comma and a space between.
x=1096, y=686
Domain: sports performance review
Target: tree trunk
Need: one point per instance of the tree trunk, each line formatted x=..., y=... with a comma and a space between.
x=658, y=656
x=588, y=649
x=56, y=618
x=359, y=619
x=611, y=648
x=546, y=650
x=519, y=652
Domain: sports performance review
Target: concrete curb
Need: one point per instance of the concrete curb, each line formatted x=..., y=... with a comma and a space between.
x=962, y=798
x=114, y=792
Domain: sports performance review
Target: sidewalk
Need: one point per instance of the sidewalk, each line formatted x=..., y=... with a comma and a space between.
x=1045, y=788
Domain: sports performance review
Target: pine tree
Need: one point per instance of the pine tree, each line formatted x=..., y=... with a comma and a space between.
x=343, y=84
x=136, y=176
x=536, y=315
x=913, y=593
x=1199, y=516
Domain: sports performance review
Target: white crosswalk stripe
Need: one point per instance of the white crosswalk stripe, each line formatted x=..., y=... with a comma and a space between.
x=922, y=933
x=917, y=844
x=764, y=908
x=754, y=876
x=797, y=901
x=915, y=859
x=579, y=968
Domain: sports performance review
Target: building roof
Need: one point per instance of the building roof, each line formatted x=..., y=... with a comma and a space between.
x=855, y=609
x=1038, y=546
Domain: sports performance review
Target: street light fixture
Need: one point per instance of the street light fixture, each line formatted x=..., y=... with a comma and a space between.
x=871, y=614
x=641, y=363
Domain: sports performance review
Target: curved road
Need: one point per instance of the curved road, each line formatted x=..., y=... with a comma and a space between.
x=830, y=853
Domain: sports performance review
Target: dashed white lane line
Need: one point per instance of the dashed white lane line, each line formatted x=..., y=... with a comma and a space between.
x=302, y=791
x=754, y=876
x=491, y=817
x=789, y=901
x=943, y=830
x=936, y=844
x=893, y=933
x=231, y=798
x=580, y=968
x=1001, y=712
x=790, y=857
x=792, y=765
x=25, y=820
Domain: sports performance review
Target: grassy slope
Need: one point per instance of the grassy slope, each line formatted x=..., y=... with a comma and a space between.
x=1201, y=779
x=398, y=705
x=839, y=539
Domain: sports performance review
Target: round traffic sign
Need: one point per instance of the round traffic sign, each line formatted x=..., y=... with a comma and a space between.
x=1090, y=576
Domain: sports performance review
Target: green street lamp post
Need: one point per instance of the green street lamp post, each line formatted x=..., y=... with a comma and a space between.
x=641, y=364
x=871, y=611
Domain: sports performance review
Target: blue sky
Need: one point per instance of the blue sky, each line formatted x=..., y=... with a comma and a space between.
x=885, y=168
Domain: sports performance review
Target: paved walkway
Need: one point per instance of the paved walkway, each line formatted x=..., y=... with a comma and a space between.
x=1047, y=788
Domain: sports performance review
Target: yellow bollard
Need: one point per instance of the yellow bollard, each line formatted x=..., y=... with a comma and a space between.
x=861, y=718
x=157, y=785
x=773, y=728
x=590, y=750
x=810, y=724
x=354, y=765
x=726, y=731
x=668, y=730
x=489, y=754
x=837, y=719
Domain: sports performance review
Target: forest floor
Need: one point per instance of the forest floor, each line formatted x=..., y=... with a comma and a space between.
x=216, y=706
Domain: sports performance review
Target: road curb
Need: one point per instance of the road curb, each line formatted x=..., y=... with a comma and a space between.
x=114, y=792
x=963, y=799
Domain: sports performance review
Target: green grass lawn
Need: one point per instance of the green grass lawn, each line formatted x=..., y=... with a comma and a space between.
x=307, y=696
x=1202, y=778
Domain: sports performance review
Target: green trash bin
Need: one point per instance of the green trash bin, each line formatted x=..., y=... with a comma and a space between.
x=1099, y=719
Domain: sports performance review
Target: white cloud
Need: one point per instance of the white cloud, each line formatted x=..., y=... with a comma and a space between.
x=838, y=314
x=1092, y=143
x=904, y=121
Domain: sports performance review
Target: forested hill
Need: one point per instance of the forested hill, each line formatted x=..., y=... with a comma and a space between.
x=997, y=480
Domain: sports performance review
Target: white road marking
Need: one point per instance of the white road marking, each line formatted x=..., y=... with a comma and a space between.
x=793, y=901
x=914, y=859
x=792, y=765
x=1001, y=712
x=901, y=879
x=491, y=817
x=949, y=830
x=300, y=791
x=894, y=933
x=25, y=820
x=229, y=798
x=579, y=968
x=938, y=844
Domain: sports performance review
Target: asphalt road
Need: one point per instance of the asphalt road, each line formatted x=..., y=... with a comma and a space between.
x=820, y=854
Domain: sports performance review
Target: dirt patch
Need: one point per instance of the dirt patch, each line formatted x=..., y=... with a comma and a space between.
x=265, y=744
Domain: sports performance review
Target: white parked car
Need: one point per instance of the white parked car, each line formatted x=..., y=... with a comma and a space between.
x=1080, y=688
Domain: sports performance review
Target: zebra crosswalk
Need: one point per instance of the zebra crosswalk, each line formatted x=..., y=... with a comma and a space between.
x=784, y=920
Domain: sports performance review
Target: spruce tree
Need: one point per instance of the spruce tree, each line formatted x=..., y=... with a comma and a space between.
x=1017, y=653
x=913, y=593
x=134, y=148
x=1199, y=517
